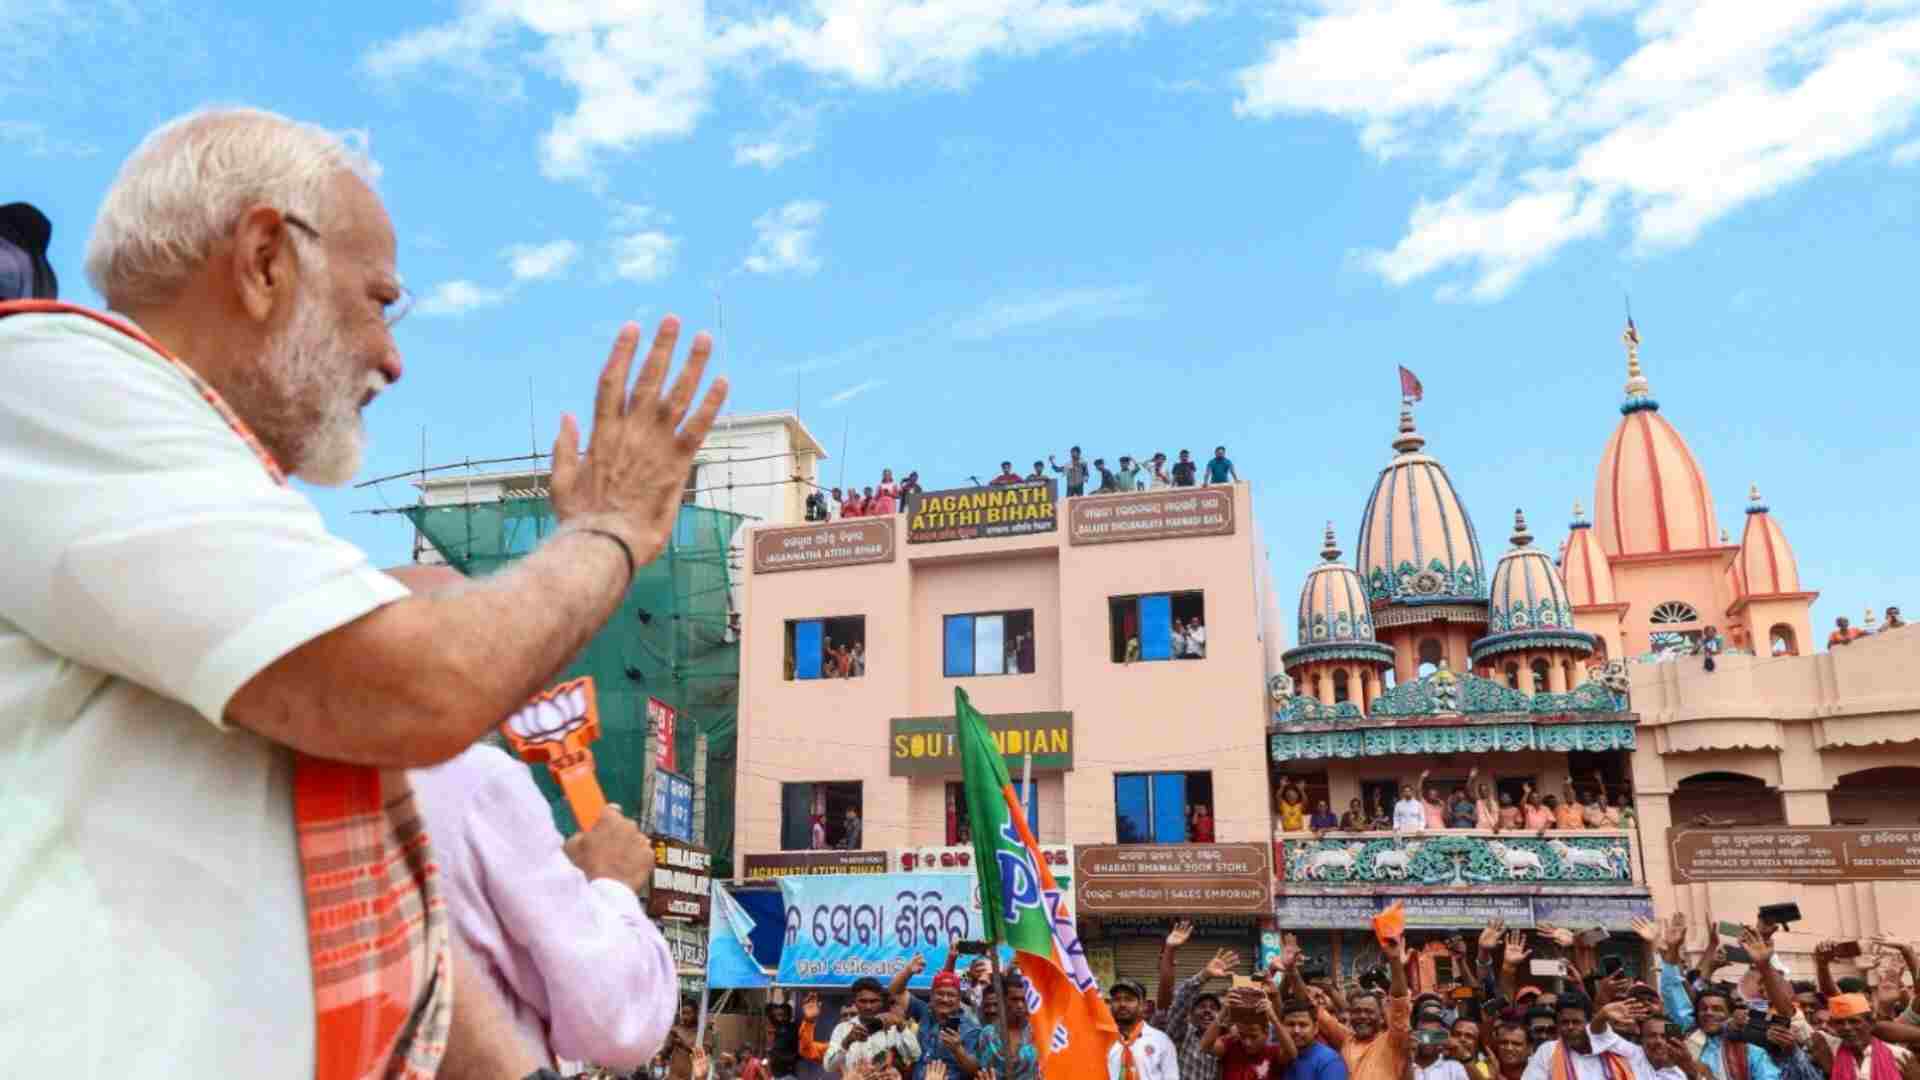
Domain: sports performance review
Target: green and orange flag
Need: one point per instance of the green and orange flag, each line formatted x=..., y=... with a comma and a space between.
x=1023, y=906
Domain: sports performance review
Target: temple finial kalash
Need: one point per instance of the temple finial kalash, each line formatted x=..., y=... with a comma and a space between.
x=1330, y=551
x=1637, y=386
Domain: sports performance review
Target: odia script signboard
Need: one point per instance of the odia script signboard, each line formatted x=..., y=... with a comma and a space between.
x=1150, y=515
x=981, y=512
x=816, y=547
x=1151, y=879
x=778, y=865
x=1824, y=853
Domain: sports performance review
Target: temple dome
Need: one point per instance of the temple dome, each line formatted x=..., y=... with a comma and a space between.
x=1527, y=602
x=1335, y=621
x=1584, y=565
x=1650, y=495
x=1417, y=544
x=1765, y=565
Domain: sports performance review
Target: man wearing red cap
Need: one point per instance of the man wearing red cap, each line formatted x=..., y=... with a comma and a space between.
x=947, y=1033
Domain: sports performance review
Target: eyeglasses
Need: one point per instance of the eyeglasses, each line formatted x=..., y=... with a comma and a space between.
x=391, y=312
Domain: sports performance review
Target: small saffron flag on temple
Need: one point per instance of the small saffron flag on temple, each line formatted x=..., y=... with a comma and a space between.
x=1409, y=384
x=1023, y=906
x=1633, y=332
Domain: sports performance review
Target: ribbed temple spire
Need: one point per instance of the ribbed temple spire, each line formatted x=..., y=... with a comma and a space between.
x=1409, y=440
x=1330, y=552
x=1639, y=393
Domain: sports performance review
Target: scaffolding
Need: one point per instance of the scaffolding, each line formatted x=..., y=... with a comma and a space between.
x=673, y=638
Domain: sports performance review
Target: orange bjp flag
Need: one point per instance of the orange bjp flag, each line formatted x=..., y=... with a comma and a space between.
x=1391, y=924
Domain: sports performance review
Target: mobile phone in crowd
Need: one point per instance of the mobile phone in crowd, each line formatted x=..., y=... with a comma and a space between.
x=1430, y=1037
x=1610, y=966
x=1731, y=930
x=1551, y=969
x=1847, y=950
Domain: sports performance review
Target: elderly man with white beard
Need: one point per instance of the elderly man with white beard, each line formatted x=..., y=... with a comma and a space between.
x=212, y=861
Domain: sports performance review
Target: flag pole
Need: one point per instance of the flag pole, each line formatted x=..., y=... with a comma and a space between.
x=1000, y=988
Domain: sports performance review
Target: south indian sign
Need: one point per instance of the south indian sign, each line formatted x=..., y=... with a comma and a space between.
x=925, y=745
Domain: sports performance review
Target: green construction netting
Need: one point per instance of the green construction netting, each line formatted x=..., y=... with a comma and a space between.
x=668, y=640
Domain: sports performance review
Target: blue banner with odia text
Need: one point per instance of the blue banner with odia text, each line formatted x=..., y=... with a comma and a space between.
x=842, y=928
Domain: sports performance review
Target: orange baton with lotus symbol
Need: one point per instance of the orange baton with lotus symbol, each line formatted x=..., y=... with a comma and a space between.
x=556, y=728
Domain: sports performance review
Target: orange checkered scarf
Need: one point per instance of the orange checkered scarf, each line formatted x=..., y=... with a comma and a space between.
x=376, y=927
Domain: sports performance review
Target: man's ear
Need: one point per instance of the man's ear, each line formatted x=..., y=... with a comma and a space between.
x=262, y=262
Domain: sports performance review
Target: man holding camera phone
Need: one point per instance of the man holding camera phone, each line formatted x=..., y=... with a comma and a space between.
x=873, y=1033
x=1723, y=1052
x=1377, y=1040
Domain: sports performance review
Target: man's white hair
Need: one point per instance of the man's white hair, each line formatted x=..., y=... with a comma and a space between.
x=187, y=184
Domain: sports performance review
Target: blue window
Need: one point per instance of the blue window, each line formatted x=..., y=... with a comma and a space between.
x=988, y=643
x=832, y=648
x=1158, y=626
x=1159, y=808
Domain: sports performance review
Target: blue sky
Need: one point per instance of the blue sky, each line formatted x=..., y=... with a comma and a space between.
x=961, y=231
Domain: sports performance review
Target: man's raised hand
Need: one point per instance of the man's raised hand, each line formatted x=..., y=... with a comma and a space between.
x=631, y=478
x=1222, y=964
x=1181, y=932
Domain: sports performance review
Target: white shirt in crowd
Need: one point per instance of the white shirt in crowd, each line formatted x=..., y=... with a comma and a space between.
x=1409, y=815
x=1444, y=1068
x=154, y=919
x=1592, y=1066
x=1154, y=1057
x=905, y=1039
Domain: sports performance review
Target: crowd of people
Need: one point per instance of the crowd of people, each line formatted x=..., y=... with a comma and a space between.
x=1424, y=807
x=1550, y=1004
x=1130, y=474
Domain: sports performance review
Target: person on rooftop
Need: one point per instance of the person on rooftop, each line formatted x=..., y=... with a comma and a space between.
x=1007, y=475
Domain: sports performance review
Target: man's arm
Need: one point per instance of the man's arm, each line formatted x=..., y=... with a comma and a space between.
x=1779, y=992
x=604, y=970
x=1399, y=1008
x=897, y=986
x=1210, y=1042
x=1823, y=969
x=1163, y=989
x=430, y=674
x=482, y=1043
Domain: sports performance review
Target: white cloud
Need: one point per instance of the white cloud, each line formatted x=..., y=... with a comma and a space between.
x=1906, y=153
x=852, y=392
x=537, y=262
x=644, y=72
x=1716, y=103
x=461, y=296
x=643, y=249
x=792, y=137
x=784, y=244
x=644, y=256
x=1082, y=305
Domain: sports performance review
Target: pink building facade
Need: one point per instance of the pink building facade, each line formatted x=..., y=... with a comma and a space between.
x=1122, y=716
x=1087, y=612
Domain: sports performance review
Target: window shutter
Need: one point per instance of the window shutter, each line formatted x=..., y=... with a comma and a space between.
x=806, y=648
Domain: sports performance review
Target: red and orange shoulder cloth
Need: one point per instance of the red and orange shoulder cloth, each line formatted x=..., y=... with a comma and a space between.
x=376, y=925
